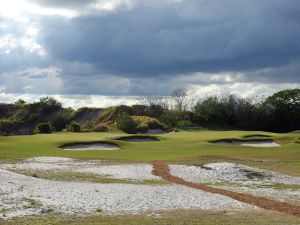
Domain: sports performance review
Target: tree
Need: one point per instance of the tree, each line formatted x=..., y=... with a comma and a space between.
x=125, y=123
x=50, y=101
x=285, y=108
x=180, y=100
x=211, y=109
x=20, y=102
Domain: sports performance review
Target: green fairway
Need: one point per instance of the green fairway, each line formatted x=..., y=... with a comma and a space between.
x=185, y=147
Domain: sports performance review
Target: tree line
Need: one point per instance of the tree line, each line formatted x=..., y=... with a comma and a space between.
x=277, y=113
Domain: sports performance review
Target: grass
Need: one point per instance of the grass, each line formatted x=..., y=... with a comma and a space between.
x=178, y=217
x=83, y=177
x=184, y=147
x=276, y=186
x=280, y=186
x=32, y=203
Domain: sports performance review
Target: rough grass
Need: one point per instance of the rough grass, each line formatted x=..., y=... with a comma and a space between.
x=178, y=217
x=276, y=186
x=59, y=175
x=184, y=147
x=32, y=203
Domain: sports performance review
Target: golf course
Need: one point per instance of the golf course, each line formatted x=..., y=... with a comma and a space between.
x=191, y=174
x=184, y=146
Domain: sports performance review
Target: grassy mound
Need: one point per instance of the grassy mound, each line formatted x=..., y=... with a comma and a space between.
x=145, y=123
x=109, y=115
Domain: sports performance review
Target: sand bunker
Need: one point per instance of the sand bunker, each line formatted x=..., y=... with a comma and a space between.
x=95, y=146
x=250, y=143
x=139, y=139
x=156, y=131
x=257, y=136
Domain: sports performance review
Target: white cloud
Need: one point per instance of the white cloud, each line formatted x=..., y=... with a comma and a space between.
x=21, y=10
x=33, y=80
x=245, y=90
x=26, y=40
x=74, y=101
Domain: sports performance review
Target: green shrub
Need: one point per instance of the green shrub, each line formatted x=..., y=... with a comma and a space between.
x=3, y=134
x=74, y=127
x=32, y=117
x=125, y=123
x=184, y=124
x=61, y=119
x=170, y=118
x=43, y=128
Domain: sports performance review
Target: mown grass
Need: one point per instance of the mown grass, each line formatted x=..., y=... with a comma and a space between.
x=187, y=146
x=178, y=217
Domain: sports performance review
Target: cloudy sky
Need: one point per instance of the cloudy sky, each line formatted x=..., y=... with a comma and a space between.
x=103, y=52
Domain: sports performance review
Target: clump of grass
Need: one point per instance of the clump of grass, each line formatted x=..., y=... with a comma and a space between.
x=3, y=211
x=281, y=186
x=254, y=175
x=32, y=203
x=99, y=210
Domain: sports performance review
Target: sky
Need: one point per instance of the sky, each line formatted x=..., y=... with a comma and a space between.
x=107, y=52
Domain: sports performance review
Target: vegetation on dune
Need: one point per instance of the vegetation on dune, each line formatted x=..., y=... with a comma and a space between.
x=87, y=116
x=110, y=114
x=125, y=123
x=144, y=123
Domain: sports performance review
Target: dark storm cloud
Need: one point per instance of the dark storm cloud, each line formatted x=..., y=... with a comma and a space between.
x=154, y=46
x=184, y=37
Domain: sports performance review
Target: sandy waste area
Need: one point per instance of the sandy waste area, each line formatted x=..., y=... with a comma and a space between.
x=22, y=195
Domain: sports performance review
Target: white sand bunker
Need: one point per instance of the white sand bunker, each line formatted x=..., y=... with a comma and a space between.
x=250, y=143
x=139, y=139
x=103, y=146
x=230, y=172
